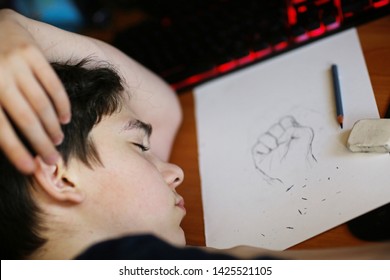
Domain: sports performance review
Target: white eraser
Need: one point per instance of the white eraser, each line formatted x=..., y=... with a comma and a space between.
x=372, y=135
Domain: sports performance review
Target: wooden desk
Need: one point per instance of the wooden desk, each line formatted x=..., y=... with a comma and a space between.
x=375, y=40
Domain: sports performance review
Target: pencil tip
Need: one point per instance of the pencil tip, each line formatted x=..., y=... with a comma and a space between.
x=341, y=125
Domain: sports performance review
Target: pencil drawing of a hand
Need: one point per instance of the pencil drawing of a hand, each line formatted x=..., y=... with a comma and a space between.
x=283, y=150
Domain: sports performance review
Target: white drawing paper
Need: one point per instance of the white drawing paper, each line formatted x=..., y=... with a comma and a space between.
x=275, y=169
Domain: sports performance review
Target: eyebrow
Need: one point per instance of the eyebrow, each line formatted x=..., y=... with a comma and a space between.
x=137, y=124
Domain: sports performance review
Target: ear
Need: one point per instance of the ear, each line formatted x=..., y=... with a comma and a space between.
x=54, y=180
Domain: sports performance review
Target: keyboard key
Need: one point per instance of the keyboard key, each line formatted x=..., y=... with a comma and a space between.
x=187, y=41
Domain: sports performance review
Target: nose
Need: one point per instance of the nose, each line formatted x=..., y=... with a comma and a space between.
x=173, y=174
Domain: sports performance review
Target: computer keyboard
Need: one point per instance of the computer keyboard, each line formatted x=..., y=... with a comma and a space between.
x=187, y=42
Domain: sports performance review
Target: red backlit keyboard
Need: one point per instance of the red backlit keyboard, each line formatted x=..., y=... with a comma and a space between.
x=187, y=42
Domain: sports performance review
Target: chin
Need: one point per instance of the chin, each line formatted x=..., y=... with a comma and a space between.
x=177, y=239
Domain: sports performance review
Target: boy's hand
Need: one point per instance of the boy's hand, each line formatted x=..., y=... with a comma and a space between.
x=31, y=96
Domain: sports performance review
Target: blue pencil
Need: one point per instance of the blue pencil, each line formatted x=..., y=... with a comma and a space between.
x=337, y=92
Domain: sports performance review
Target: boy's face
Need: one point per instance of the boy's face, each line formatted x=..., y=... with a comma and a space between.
x=134, y=192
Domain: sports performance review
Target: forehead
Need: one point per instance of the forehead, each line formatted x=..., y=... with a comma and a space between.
x=121, y=122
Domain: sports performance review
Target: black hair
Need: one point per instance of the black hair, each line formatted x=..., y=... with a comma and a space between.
x=95, y=90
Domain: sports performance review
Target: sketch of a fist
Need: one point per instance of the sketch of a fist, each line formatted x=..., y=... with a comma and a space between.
x=284, y=150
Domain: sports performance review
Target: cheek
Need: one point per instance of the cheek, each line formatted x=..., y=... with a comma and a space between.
x=133, y=186
x=130, y=180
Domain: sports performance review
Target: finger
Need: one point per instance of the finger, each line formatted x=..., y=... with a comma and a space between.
x=287, y=136
x=39, y=101
x=28, y=123
x=276, y=130
x=306, y=133
x=288, y=122
x=12, y=147
x=260, y=149
x=51, y=83
x=269, y=141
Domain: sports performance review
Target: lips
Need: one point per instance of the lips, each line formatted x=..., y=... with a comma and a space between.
x=180, y=203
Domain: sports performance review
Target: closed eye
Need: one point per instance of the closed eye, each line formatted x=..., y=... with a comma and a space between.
x=143, y=148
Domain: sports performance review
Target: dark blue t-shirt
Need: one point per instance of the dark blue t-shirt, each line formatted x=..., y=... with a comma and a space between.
x=148, y=247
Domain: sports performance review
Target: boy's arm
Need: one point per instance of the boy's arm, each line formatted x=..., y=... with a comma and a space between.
x=151, y=98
